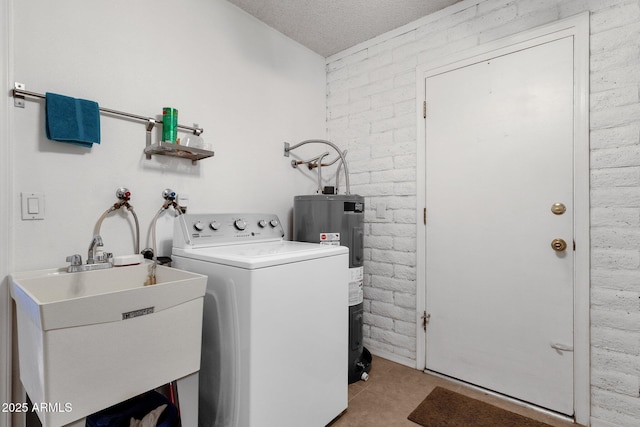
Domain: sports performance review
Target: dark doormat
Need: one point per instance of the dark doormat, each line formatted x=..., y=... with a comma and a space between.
x=445, y=408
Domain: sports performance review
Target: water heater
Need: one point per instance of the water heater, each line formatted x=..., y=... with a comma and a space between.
x=338, y=219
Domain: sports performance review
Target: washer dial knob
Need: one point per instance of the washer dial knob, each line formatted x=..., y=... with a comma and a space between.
x=240, y=224
x=198, y=226
x=262, y=223
x=274, y=222
x=214, y=225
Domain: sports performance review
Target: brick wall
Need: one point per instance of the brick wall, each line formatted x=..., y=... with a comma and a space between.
x=371, y=102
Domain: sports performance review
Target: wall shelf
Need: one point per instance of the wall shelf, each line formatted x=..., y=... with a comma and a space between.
x=176, y=150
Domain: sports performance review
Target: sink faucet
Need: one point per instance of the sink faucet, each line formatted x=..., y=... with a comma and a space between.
x=93, y=263
x=96, y=241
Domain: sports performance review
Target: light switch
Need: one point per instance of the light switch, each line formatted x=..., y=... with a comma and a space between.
x=32, y=206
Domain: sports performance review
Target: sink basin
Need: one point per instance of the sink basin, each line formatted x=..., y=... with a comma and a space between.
x=88, y=340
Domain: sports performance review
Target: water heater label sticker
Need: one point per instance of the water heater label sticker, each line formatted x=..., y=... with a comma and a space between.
x=356, y=281
x=331, y=239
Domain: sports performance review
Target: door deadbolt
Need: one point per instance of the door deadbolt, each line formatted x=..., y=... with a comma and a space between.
x=558, y=245
x=558, y=208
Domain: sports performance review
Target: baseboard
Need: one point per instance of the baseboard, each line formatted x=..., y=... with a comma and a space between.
x=390, y=356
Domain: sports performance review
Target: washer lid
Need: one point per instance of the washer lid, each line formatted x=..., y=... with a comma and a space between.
x=259, y=255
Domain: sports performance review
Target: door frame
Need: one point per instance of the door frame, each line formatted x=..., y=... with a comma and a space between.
x=577, y=27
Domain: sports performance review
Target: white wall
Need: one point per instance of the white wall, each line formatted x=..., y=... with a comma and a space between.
x=5, y=197
x=247, y=85
x=371, y=91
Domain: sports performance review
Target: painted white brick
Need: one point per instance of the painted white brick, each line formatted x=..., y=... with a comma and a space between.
x=619, y=177
x=405, y=328
x=617, y=419
x=379, y=141
x=393, y=96
x=408, y=50
x=391, y=311
x=348, y=83
x=624, y=320
x=614, y=17
x=613, y=38
x=406, y=244
x=378, y=321
x=430, y=29
x=405, y=272
x=494, y=18
x=618, y=57
x=393, y=175
x=366, y=117
x=626, y=197
x=373, y=189
x=379, y=242
x=615, y=217
x=622, y=114
x=404, y=216
x=370, y=343
x=614, y=98
x=407, y=188
x=615, y=259
x=573, y=7
x=526, y=7
x=400, y=202
x=372, y=88
x=393, y=338
x=370, y=165
x=618, y=136
x=615, y=362
x=615, y=279
x=625, y=405
x=531, y=20
x=345, y=61
x=394, y=69
x=370, y=63
x=405, y=300
x=618, y=238
x=406, y=136
x=350, y=133
x=379, y=271
x=358, y=178
x=394, y=257
x=377, y=294
x=616, y=299
x=616, y=157
x=434, y=53
x=394, y=284
x=406, y=162
x=390, y=44
x=393, y=230
x=616, y=340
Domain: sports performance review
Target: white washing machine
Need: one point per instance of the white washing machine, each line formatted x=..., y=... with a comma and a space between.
x=275, y=334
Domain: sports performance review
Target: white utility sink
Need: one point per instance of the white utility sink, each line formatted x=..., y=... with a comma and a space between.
x=91, y=339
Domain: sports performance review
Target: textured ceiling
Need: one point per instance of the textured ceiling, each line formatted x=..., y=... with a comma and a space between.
x=330, y=26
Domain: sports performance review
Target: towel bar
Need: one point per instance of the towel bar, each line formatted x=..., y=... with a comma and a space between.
x=19, y=93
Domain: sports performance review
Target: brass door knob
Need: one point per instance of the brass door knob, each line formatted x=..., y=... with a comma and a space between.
x=558, y=245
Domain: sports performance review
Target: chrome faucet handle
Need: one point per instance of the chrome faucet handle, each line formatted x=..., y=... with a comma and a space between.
x=75, y=259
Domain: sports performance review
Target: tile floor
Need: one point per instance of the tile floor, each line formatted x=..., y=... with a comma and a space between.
x=394, y=390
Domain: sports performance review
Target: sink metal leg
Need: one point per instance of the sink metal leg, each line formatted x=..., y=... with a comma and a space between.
x=188, y=399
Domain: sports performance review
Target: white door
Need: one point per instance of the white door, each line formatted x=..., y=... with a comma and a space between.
x=499, y=155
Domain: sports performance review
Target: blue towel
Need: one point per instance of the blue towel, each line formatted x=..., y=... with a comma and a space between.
x=76, y=121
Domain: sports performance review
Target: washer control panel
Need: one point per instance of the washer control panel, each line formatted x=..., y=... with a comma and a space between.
x=199, y=230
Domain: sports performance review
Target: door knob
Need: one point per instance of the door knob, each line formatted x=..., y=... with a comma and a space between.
x=558, y=245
